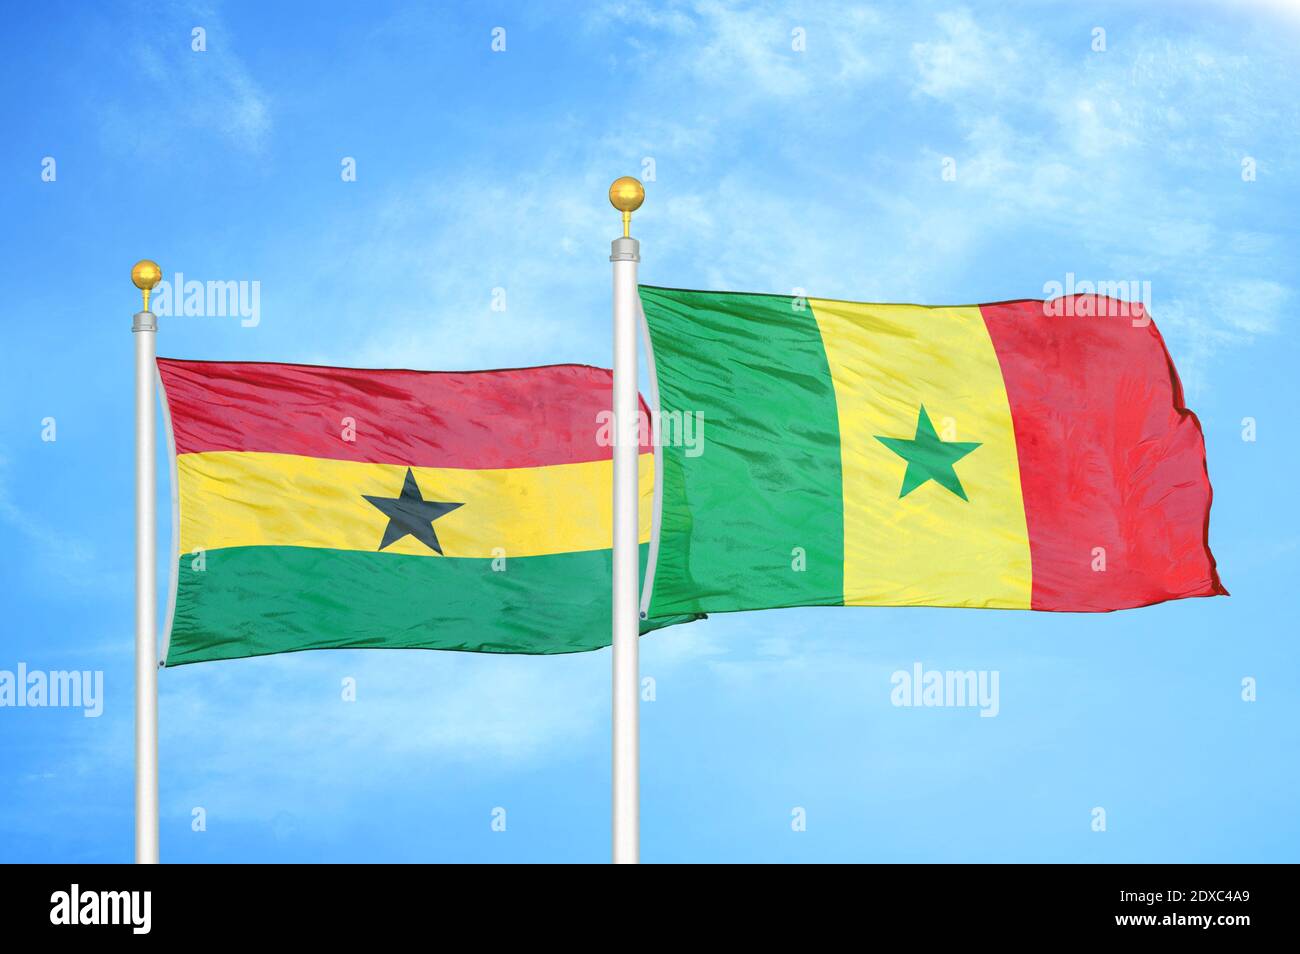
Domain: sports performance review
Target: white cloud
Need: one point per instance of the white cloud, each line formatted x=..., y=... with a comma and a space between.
x=52, y=553
x=441, y=253
x=750, y=50
x=1114, y=142
x=211, y=92
x=965, y=57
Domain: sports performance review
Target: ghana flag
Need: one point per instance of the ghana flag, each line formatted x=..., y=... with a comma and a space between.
x=341, y=508
x=1021, y=455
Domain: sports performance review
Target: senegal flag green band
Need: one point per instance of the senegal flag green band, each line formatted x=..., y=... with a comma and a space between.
x=345, y=599
x=734, y=518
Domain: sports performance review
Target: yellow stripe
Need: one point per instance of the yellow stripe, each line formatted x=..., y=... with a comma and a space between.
x=930, y=547
x=243, y=499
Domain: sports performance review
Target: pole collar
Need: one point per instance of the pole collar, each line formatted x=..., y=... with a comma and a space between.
x=144, y=321
x=625, y=250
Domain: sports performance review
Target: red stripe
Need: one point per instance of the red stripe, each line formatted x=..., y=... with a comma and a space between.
x=1109, y=456
x=527, y=417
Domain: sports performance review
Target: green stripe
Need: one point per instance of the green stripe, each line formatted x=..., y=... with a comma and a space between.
x=766, y=486
x=251, y=601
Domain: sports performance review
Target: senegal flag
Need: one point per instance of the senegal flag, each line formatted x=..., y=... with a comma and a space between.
x=1022, y=455
x=340, y=508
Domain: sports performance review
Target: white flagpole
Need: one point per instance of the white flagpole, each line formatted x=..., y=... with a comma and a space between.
x=145, y=275
x=626, y=195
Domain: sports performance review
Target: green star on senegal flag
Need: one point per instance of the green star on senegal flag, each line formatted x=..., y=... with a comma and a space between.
x=342, y=508
x=929, y=458
x=1015, y=455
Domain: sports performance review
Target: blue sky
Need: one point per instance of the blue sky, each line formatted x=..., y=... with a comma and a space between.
x=774, y=169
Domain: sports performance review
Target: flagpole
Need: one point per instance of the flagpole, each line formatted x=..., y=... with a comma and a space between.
x=145, y=275
x=626, y=195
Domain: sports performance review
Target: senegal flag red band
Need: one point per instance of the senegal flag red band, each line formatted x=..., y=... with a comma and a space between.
x=1022, y=455
x=334, y=507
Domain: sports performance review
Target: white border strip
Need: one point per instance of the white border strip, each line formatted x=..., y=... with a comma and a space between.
x=648, y=586
x=176, y=518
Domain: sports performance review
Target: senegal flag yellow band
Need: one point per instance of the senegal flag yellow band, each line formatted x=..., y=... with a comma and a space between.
x=887, y=363
x=246, y=499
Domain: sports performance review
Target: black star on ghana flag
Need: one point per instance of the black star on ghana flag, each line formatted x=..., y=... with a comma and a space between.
x=411, y=513
x=929, y=458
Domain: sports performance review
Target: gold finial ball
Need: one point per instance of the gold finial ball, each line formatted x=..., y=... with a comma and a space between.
x=626, y=194
x=146, y=274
